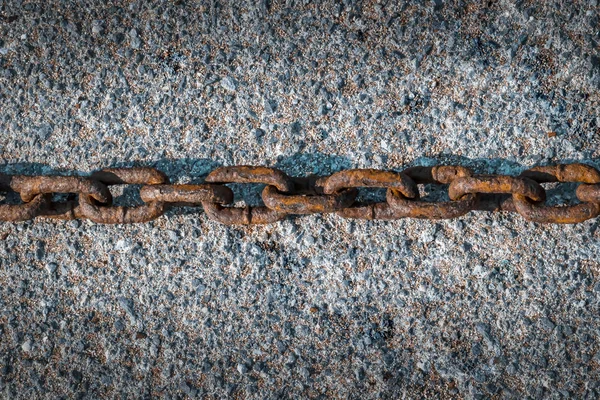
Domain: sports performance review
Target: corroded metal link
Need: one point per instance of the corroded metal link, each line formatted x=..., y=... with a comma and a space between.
x=355, y=178
x=24, y=211
x=40, y=205
x=121, y=214
x=132, y=176
x=242, y=216
x=380, y=211
x=247, y=174
x=430, y=210
x=559, y=214
x=308, y=197
x=186, y=194
x=307, y=204
x=588, y=193
x=444, y=174
x=563, y=173
x=496, y=184
x=589, y=177
x=250, y=174
x=556, y=215
x=30, y=186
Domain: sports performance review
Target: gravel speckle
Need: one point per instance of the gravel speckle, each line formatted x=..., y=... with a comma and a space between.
x=51, y=268
x=26, y=346
x=242, y=368
x=229, y=83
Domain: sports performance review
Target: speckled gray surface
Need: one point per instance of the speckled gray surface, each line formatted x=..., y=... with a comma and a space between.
x=486, y=306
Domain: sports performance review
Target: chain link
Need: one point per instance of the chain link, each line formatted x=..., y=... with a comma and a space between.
x=372, y=178
x=415, y=208
x=536, y=212
x=90, y=197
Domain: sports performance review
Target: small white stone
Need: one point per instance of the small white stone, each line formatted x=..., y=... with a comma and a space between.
x=123, y=246
x=26, y=346
x=51, y=268
x=228, y=83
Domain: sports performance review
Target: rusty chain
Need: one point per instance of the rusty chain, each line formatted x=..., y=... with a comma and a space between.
x=90, y=197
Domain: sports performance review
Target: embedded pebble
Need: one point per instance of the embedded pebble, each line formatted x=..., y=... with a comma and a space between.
x=26, y=346
x=229, y=83
x=51, y=268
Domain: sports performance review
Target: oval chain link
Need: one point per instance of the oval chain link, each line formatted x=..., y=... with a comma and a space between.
x=535, y=212
x=24, y=211
x=108, y=214
x=372, y=178
x=186, y=195
x=446, y=174
x=308, y=198
x=247, y=215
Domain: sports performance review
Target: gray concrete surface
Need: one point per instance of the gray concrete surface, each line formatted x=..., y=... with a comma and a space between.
x=486, y=306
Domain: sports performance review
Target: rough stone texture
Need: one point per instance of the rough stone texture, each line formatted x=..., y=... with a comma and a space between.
x=479, y=307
